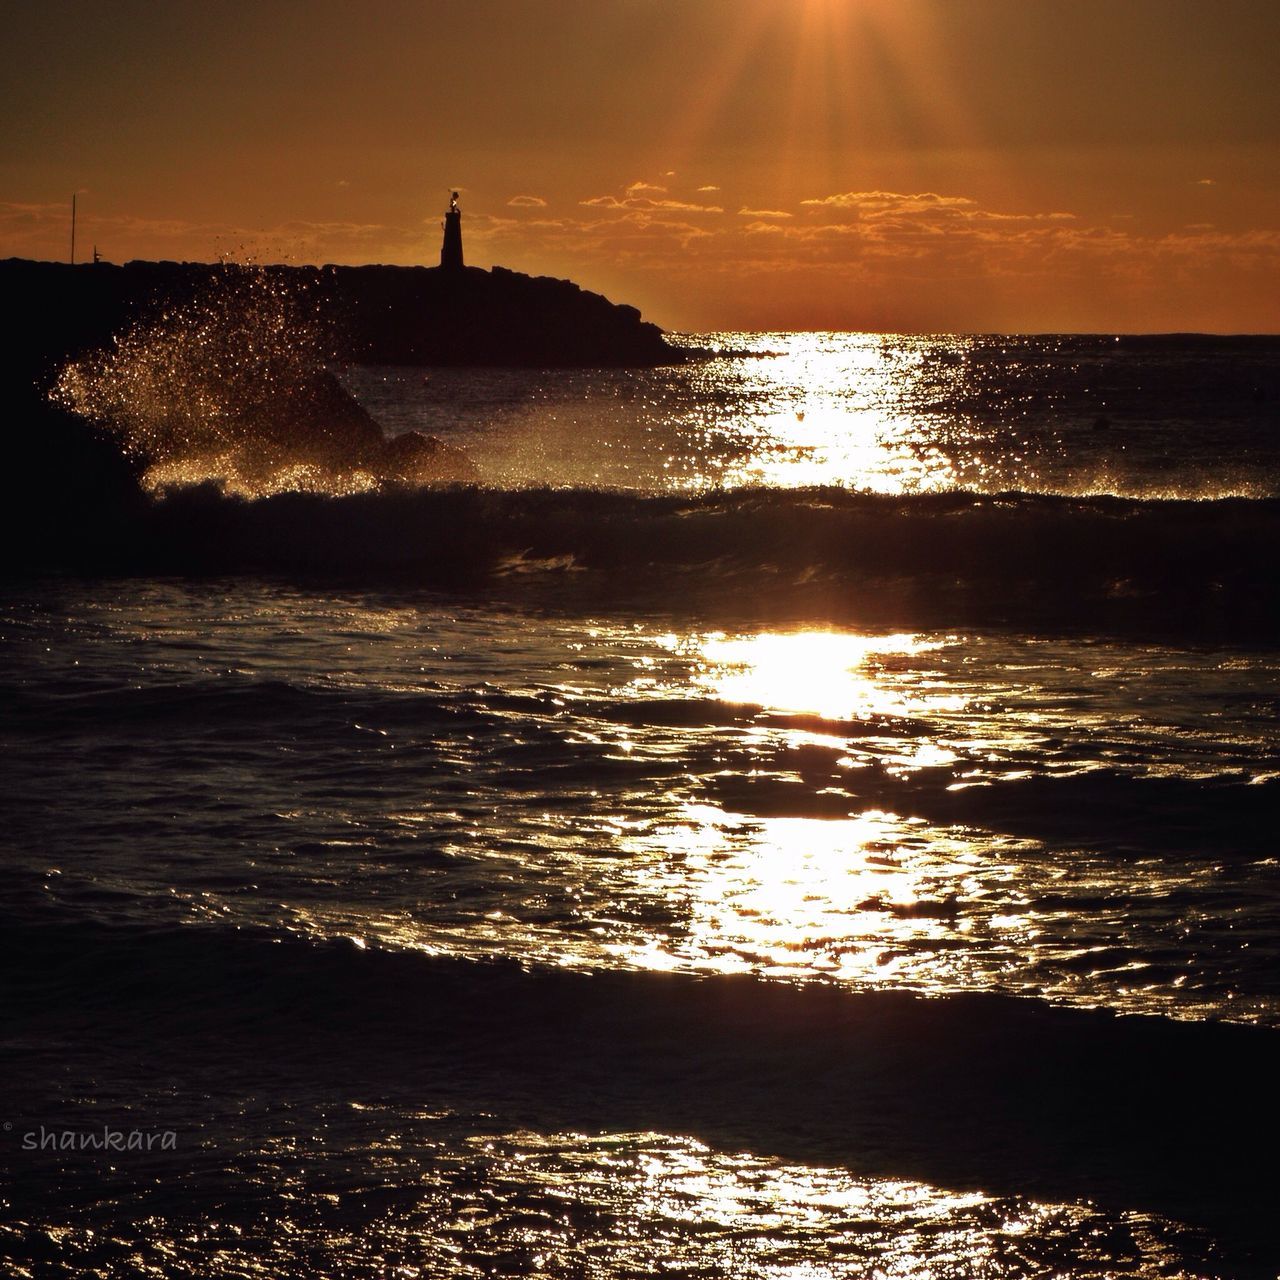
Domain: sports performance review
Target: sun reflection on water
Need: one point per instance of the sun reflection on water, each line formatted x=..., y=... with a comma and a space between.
x=829, y=673
x=868, y=899
x=876, y=810
x=830, y=409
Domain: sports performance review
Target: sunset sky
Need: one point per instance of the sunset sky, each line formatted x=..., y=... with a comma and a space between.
x=866, y=164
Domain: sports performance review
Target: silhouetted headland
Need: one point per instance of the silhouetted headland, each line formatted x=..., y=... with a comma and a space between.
x=447, y=315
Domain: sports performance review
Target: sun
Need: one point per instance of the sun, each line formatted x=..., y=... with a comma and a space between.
x=840, y=73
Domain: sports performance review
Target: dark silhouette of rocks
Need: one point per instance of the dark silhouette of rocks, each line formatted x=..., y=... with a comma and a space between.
x=67, y=493
x=414, y=459
x=460, y=316
x=316, y=422
x=370, y=315
x=311, y=421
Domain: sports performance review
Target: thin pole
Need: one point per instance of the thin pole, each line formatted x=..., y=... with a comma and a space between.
x=73, y=229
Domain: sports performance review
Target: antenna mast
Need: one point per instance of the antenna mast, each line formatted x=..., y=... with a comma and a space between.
x=73, y=228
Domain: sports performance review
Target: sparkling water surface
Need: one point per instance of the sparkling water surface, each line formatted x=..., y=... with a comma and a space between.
x=939, y=811
x=882, y=413
x=522, y=773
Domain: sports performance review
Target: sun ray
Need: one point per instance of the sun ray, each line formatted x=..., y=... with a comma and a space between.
x=723, y=74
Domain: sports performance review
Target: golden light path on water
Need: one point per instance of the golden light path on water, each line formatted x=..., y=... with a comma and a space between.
x=840, y=424
x=835, y=410
x=803, y=803
x=902, y=414
x=848, y=897
x=644, y=1203
x=829, y=673
x=870, y=898
x=232, y=391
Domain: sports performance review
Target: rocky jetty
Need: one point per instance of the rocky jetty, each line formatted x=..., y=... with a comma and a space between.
x=368, y=315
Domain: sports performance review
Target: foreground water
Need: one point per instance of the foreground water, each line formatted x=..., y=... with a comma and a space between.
x=736, y=878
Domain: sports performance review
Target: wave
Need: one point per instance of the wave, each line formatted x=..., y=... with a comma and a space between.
x=1116, y=811
x=1203, y=567
x=970, y=1090
x=229, y=387
x=1127, y=814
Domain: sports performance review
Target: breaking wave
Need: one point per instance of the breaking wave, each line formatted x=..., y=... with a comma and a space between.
x=822, y=553
x=230, y=388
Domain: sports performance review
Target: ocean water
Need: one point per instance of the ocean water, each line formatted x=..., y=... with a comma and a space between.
x=809, y=811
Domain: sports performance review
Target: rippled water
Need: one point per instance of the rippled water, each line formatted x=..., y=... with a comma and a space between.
x=438, y=1196
x=1143, y=417
x=1074, y=818
x=673, y=895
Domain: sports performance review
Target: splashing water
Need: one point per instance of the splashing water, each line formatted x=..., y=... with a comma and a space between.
x=230, y=387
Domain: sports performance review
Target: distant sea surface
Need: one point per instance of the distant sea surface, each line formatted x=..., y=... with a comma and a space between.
x=835, y=838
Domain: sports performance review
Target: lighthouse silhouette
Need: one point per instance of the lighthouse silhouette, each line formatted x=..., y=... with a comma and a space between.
x=451, y=250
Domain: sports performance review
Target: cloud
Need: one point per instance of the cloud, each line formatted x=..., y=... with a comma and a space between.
x=644, y=188
x=647, y=238
x=526, y=202
x=709, y=188
x=35, y=211
x=887, y=243
x=874, y=202
x=907, y=221
x=1206, y=182
x=636, y=203
x=1257, y=247
x=882, y=237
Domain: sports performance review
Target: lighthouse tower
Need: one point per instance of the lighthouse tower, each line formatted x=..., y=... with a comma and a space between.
x=451, y=250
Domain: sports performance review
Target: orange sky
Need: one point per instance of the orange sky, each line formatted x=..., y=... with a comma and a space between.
x=867, y=164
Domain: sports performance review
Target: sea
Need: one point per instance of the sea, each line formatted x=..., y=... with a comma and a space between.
x=808, y=811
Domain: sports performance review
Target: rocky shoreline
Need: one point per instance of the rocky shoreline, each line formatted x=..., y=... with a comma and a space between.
x=368, y=315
